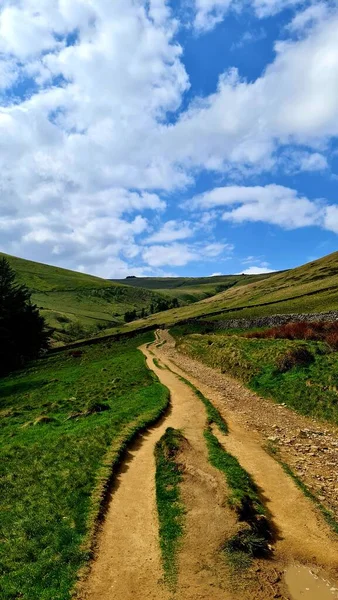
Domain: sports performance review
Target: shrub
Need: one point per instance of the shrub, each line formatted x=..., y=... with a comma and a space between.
x=325, y=331
x=296, y=357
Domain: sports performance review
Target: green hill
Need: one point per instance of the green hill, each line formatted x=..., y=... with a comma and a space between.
x=191, y=289
x=76, y=304
x=310, y=288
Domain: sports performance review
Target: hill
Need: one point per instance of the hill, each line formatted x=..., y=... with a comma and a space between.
x=76, y=304
x=191, y=289
x=312, y=287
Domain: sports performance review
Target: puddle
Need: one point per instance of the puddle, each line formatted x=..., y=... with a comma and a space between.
x=303, y=584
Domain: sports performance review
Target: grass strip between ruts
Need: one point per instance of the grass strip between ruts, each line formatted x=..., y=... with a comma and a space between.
x=169, y=505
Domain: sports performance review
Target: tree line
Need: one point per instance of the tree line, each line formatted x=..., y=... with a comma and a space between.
x=156, y=306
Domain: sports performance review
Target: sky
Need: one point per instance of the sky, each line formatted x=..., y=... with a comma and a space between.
x=154, y=138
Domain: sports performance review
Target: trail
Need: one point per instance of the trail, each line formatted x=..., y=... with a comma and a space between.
x=127, y=564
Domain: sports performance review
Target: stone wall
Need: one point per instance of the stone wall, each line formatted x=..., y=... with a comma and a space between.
x=270, y=321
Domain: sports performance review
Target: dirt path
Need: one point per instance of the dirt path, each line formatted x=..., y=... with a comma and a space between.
x=303, y=534
x=128, y=564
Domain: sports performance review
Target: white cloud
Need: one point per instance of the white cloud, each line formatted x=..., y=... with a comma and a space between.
x=73, y=151
x=171, y=231
x=243, y=123
x=208, y=13
x=178, y=254
x=274, y=204
x=308, y=17
x=295, y=161
x=256, y=271
x=89, y=142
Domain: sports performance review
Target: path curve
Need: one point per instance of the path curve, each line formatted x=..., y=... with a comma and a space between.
x=127, y=565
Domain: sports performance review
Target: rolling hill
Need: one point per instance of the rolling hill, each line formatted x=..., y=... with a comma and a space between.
x=312, y=287
x=76, y=304
x=191, y=289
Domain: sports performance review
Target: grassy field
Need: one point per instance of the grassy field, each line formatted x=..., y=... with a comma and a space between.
x=191, y=289
x=310, y=288
x=76, y=304
x=303, y=374
x=64, y=422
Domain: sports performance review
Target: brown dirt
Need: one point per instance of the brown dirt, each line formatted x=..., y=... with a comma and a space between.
x=308, y=446
x=127, y=564
x=303, y=535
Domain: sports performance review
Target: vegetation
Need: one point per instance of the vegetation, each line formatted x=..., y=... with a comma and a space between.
x=170, y=509
x=253, y=539
x=77, y=305
x=301, y=374
x=23, y=332
x=191, y=289
x=310, y=288
x=65, y=421
x=325, y=331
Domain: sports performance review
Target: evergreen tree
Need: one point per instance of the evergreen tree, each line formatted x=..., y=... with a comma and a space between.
x=23, y=332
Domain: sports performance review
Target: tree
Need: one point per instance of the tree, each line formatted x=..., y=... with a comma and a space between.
x=23, y=331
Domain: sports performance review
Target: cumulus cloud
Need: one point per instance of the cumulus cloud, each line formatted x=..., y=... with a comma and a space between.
x=178, y=254
x=171, y=231
x=210, y=12
x=243, y=123
x=274, y=204
x=84, y=148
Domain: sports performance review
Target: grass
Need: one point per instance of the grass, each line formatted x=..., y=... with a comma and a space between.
x=158, y=364
x=75, y=304
x=254, y=537
x=191, y=289
x=244, y=496
x=65, y=421
x=169, y=505
x=308, y=387
x=310, y=288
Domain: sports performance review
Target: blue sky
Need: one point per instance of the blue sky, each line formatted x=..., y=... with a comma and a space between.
x=189, y=137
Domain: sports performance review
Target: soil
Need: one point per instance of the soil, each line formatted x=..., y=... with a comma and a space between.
x=127, y=564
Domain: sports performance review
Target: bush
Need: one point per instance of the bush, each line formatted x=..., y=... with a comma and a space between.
x=322, y=331
x=296, y=357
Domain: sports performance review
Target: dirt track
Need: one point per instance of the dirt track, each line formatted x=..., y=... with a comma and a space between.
x=128, y=563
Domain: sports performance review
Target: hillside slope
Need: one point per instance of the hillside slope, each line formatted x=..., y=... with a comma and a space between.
x=75, y=304
x=191, y=289
x=310, y=288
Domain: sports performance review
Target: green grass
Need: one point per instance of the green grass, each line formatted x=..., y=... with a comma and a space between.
x=242, y=486
x=254, y=537
x=158, y=364
x=191, y=289
x=310, y=288
x=310, y=390
x=169, y=505
x=59, y=445
x=75, y=304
